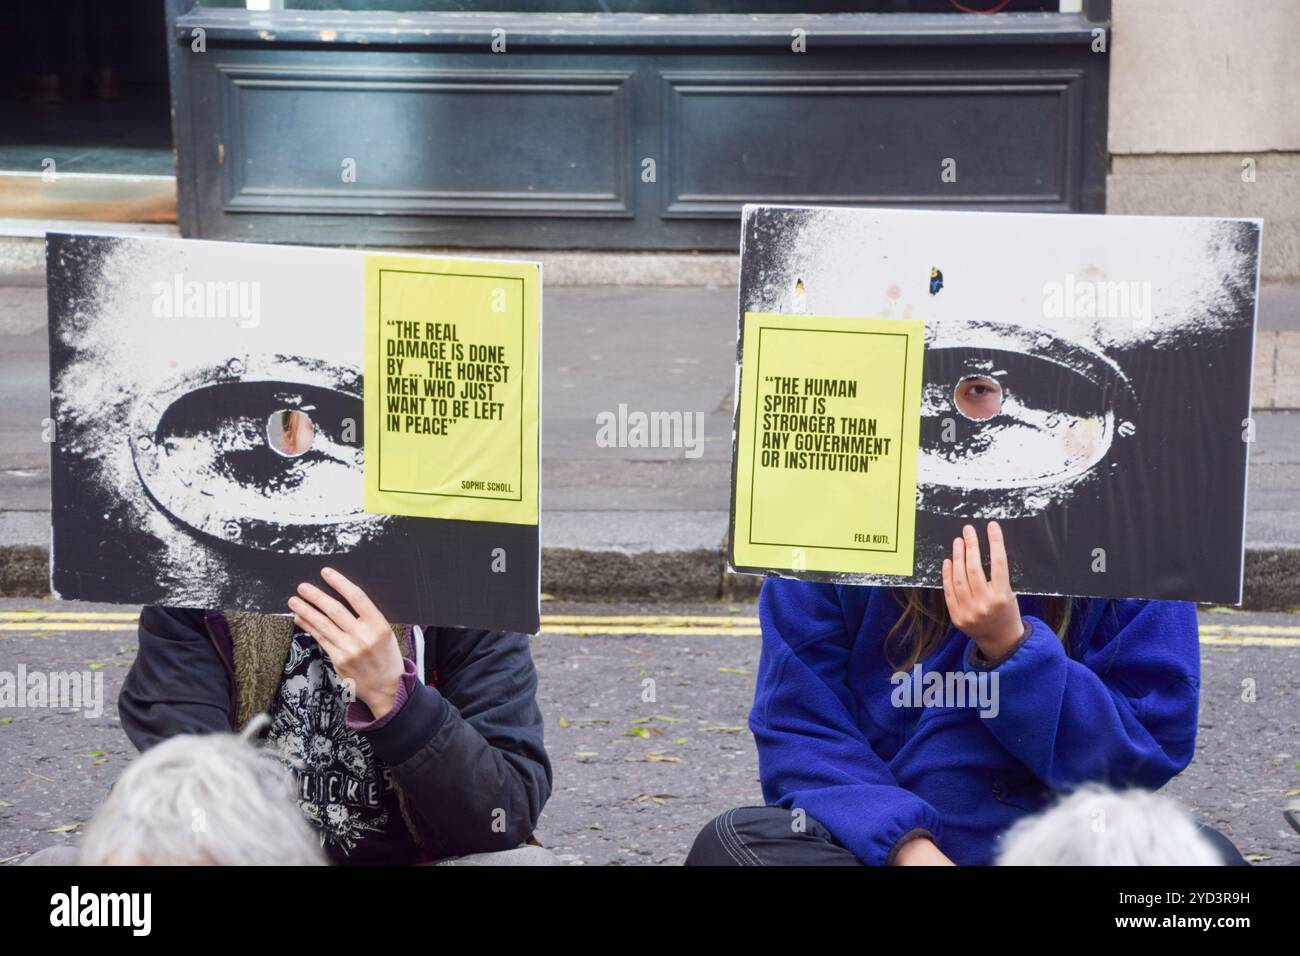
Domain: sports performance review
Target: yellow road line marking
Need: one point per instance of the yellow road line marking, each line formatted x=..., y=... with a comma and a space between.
x=56, y=626
x=658, y=619
x=69, y=615
x=617, y=630
x=653, y=619
x=711, y=620
x=35, y=621
x=1247, y=641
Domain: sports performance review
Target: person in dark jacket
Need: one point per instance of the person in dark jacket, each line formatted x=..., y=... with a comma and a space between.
x=407, y=745
x=914, y=727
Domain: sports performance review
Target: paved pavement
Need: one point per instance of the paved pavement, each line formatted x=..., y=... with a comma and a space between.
x=651, y=349
x=636, y=779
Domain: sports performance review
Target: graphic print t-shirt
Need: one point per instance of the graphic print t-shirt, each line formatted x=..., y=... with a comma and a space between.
x=343, y=789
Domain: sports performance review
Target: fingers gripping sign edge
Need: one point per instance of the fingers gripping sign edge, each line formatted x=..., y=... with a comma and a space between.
x=999, y=565
x=338, y=613
x=976, y=581
x=359, y=601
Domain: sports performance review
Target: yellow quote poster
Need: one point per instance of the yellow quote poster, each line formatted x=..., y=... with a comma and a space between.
x=451, y=388
x=827, y=443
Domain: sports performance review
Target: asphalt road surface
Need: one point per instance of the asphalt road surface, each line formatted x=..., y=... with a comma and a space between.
x=645, y=711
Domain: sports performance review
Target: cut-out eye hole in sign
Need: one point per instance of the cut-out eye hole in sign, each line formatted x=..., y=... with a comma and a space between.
x=451, y=389
x=827, y=444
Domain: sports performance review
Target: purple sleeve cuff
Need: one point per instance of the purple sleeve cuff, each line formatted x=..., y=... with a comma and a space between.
x=975, y=660
x=360, y=717
x=913, y=834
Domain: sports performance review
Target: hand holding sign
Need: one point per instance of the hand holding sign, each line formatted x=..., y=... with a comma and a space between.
x=361, y=645
x=984, y=609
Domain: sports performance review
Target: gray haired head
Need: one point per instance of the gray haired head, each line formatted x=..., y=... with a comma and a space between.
x=1096, y=826
x=209, y=799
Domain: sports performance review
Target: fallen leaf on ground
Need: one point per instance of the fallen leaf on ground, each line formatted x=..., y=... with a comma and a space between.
x=733, y=670
x=657, y=798
x=566, y=722
x=654, y=756
x=67, y=827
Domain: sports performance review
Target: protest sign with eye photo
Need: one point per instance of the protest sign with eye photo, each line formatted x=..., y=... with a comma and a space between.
x=231, y=418
x=1083, y=380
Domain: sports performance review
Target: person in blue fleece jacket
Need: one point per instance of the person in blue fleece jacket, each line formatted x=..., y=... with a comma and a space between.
x=864, y=757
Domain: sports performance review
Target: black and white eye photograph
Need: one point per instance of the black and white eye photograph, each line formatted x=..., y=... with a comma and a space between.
x=208, y=399
x=1078, y=371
